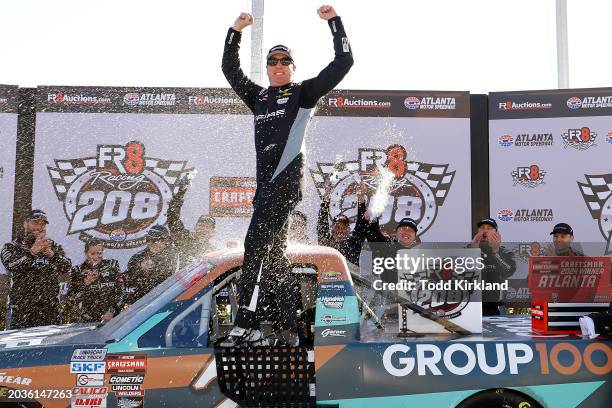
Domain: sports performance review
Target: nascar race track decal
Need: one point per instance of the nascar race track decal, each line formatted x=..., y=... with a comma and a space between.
x=116, y=195
x=416, y=191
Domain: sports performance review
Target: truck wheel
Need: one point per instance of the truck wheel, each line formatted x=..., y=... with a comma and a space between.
x=499, y=398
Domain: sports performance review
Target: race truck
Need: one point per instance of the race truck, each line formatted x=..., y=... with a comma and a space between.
x=160, y=352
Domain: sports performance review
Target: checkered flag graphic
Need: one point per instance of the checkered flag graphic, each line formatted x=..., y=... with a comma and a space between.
x=595, y=192
x=65, y=172
x=435, y=175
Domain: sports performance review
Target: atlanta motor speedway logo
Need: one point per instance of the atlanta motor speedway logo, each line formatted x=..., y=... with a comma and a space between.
x=116, y=195
x=597, y=194
x=416, y=191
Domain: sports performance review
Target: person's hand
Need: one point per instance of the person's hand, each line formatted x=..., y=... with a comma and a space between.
x=40, y=245
x=90, y=277
x=243, y=20
x=494, y=240
x=477, y=238
x=48, y=249
x=326, y=12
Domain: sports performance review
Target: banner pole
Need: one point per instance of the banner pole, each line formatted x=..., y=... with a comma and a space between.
x=562, y=45
x=257, y=10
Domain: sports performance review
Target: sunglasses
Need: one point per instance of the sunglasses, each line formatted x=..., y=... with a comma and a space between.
x=283, y=61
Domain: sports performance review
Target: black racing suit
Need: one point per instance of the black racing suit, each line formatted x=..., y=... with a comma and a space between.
x=146, y=270
x=100, y=296
x=498, y=267
x=281, y=115
x=373, y=234
x=34, y=283
x=189, y=247
x=351, y=246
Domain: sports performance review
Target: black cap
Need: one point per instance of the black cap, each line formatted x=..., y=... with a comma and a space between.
x=407, y=222
x=158, y=232
x=562, y=228
x=207, y=218
x=37, y=215
x=341, y=218
x=280, y=49
x=488, y=221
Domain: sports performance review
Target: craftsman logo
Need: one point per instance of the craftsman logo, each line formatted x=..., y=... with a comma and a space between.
x=398, y=188
x=579, y=139
x=117, y=195
x=90, y=380
x=344, y=102
x=590, y=102
x=126, y=363
x=88, y=355
x=333, y=333
x=530, y=177
x=126, y=379
x=133, y=99
x=430, y=103
x=58, y=97
x=231, y=196
x=511, y=106
x=597, y=194
x=85, y=367
x=333, y=302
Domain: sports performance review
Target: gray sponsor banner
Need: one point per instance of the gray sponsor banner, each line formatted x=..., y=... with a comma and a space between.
x=79, y=156
x=547, y=170
x=550, y=104
x=8, y=138
x=139, y=100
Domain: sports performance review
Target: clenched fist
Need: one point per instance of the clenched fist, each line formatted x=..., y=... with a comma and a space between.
x=326, y=12
x=243, y=20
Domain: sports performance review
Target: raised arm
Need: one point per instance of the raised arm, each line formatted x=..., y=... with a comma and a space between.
x=331, y=75
x=246, y=89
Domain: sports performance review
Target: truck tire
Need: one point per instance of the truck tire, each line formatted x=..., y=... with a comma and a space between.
x=499, y=398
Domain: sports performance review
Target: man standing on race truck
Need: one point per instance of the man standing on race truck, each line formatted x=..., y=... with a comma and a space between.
x=282, y=112
x=35, y=264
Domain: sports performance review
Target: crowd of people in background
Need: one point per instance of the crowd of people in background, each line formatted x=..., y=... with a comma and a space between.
x=98, y=289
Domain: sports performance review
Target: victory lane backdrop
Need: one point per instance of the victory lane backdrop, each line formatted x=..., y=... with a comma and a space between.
x=8, y=139
x=549, y=154
x=108, y=160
